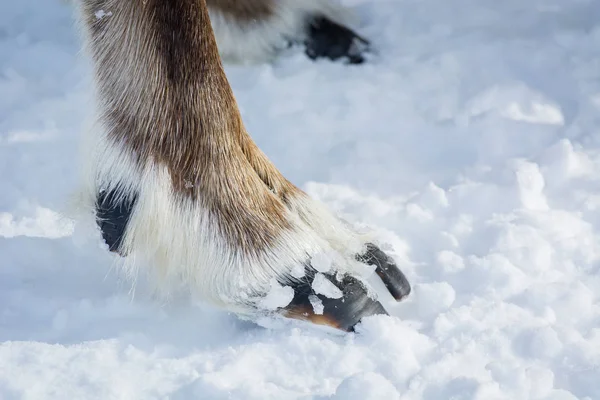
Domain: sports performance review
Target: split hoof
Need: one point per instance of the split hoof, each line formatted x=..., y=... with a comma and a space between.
x=342, y=309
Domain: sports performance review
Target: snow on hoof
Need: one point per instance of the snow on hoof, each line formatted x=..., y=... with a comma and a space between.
x=180, y=190
x=258, y=30
x=342, y=305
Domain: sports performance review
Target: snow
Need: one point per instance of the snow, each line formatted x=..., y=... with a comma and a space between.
x=101, y=14
x=316, y=304
x=470, y=144
x=322, y=262
x=277, y=296
x=322, y=285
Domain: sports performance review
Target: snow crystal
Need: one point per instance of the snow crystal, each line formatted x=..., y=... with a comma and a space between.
x=317, y=304
x=101, y=14
x=322, y=262
x=322, y=285
x=298, y=271
x=278, y=296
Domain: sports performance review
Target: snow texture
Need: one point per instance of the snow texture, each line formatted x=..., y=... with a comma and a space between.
x=469, y=143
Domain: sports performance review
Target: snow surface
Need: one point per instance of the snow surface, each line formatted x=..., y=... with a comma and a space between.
x=470, y=143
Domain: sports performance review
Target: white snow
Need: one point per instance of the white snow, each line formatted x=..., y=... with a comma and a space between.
x=322, y=285
x=470, y=144
x=101, y=14
x=322, y=262
x=277, y=296
x=316, y=304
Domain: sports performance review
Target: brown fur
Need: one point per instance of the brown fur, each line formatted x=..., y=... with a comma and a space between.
x=244, y=10
x=166, y=98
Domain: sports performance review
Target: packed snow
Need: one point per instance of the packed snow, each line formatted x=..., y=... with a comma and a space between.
x=322, y=285
x=470, y=143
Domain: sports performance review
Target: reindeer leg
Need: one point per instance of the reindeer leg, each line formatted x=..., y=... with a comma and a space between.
x=184, y=193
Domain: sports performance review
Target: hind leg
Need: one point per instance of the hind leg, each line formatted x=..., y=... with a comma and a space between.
x=255, y=31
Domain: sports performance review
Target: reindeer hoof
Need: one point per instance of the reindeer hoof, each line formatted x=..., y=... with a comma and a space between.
x=393, y=279
x=342, y=301
x=342, y=305
x=329, y=39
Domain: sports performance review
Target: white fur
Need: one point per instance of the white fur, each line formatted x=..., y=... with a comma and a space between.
x=260, y=40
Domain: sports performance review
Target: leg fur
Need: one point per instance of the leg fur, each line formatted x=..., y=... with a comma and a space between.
x=179, y=188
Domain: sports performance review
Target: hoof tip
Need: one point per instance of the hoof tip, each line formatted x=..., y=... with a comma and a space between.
x=342, y=313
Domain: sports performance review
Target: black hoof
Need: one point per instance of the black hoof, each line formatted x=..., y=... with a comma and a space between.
x=343, y=312
x=393, y=279
x=331, y=40
x=112, y=216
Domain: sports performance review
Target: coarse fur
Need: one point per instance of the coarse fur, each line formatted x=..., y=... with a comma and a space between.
x=211, y=214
